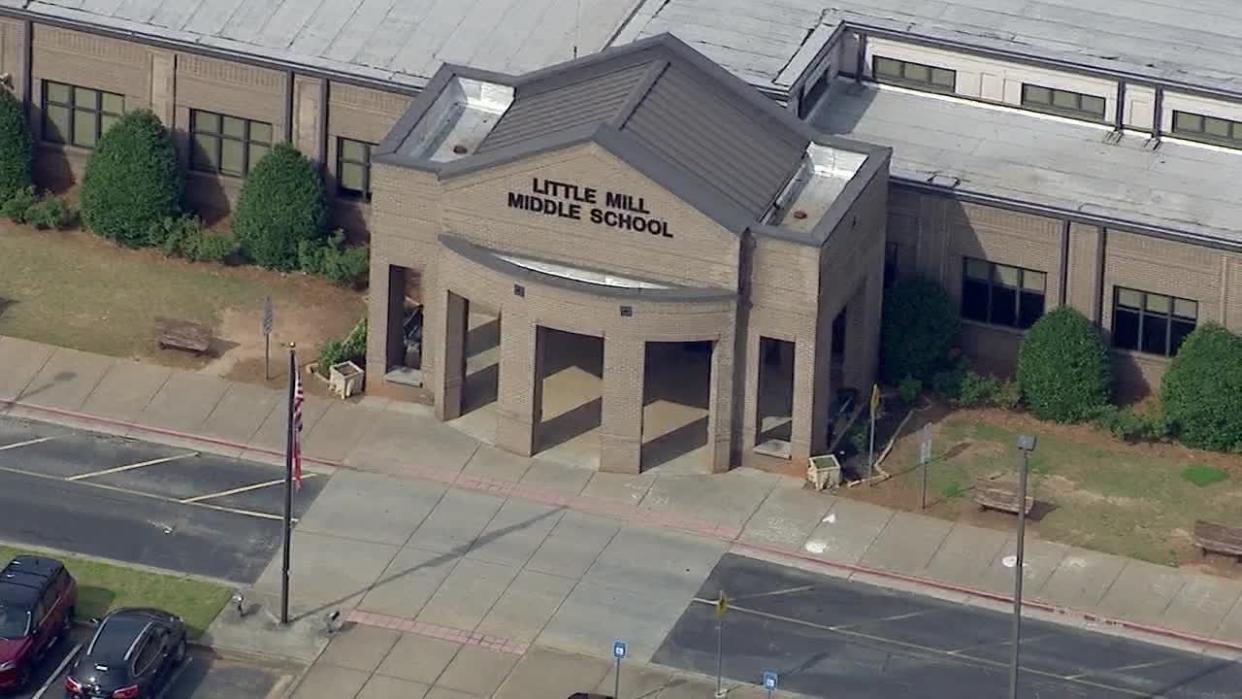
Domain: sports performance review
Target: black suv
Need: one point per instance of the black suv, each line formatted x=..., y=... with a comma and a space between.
x=130, y=656
x=37, y=596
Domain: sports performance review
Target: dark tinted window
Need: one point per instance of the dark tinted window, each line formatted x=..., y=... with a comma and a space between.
x=1002, y=294
x=1152, y=323
x=14, y=622
x=145, y=656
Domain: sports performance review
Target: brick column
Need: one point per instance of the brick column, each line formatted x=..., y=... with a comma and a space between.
x=720, y=405
x=621, y=426
x=520, y=387
x=803, y=400
x=450, y=363
x=856, y=361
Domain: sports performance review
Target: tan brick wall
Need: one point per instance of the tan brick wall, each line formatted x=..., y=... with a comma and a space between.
x=13, y=53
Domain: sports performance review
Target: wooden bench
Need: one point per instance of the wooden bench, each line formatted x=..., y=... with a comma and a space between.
x=999, y=495
x=1218, y=538
x=182, y=335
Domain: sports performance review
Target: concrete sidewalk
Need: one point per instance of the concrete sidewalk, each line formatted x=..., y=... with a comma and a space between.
x=529, y=500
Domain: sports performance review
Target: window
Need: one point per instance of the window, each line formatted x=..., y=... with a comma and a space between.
x=915, y=75
x=1001, y=294
x=1063, y=102
x=1197, y=127
x=78, y=115
x=353, y=168
x=1152, y=323
x=890, y=264
x=228, y=145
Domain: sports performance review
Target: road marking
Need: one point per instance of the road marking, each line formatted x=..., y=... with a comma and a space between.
x=926, y=649
x=153, y=496
x=775, y=593
x=172, y=679
x=243, y=489
x=59, y=669
x=278, y=689
x=130, y=467
x=28, y=442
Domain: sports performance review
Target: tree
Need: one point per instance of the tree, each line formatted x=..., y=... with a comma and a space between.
x=15, y=148
x=918, y=331
x=1202, y=390
x=1064, y=368
x=132, y=180
x=282, y=204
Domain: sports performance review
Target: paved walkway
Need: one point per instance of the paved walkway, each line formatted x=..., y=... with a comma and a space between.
x=460, y=537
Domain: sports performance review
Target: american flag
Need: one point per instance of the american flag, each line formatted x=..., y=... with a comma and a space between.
x=299, y=396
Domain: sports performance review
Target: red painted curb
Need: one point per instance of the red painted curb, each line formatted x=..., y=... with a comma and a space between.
x=632, y=514
x=86, y=417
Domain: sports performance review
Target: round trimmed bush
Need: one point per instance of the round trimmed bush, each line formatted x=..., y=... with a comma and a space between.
x=918, y=330
x=15, y=148
x=1202, y=390
x=132, y=179
x=281, y=205
x=1064, y=368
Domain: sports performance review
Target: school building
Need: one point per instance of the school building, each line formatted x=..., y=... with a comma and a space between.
x=594, y=238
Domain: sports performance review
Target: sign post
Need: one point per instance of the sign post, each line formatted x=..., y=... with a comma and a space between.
x=268, y=319
x=618, y=652
x=925, y=448
x=722, y=606
x=875, y=408
x=769, y=682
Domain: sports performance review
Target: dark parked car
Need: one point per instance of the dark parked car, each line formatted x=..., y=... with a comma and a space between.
x=37, y=596
x=131, y=656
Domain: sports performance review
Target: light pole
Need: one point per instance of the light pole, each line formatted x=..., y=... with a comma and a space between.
x=1026, y=445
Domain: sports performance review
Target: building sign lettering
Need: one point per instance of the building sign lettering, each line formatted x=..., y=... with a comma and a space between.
x=573, y=201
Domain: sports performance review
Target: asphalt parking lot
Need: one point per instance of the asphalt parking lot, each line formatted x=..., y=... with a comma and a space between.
x=204, y=675
x=138, y=502
x=831, y=637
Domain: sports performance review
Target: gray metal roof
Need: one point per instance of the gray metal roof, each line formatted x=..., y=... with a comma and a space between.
x=1185, y=188
x=768, y=43
x=402, y=41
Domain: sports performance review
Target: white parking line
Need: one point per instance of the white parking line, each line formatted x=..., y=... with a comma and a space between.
x=130, y=467
x=26, y=443
x=243, y=489
x=56, y=675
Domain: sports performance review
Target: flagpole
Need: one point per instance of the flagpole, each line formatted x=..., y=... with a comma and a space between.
x=288, y=522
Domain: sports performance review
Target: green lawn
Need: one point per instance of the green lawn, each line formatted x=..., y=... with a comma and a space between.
x=103, y=586
x=1138, y=501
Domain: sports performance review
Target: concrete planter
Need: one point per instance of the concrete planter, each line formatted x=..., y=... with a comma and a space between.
x=345, y=379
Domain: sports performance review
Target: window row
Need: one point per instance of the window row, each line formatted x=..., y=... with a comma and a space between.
x=1199, y=127
x=1034, y=97
x=1014, y=297
x=221, y=144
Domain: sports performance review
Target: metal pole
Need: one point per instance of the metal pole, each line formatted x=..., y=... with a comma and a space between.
x=923, y=505
x=616, y=682
x=1017, y=579
x=288, y=523
x=871, y=448
x=719, y=654
x=267, y=354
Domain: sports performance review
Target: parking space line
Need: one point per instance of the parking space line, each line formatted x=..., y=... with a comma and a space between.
x=130, y=467
x=153, y=496
x=243, y=489
x=59, y=669
x=28, y=442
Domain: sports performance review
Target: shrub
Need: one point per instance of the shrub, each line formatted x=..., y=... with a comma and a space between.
x=947, y=383
x=18, y=206
x=1064, y=368
x=1202, y=389
x=281, y=204
x=352, y=348
x=184, y=237
x=1131, y=425
x=15, y=146
x=132, y=180
x=908, y=389
x=49, y=213
x=918, y=330
x=347, y=266
x=1203, y=475
x=977, y=391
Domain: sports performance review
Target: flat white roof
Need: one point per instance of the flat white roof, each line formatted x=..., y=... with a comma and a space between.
x=997, y=151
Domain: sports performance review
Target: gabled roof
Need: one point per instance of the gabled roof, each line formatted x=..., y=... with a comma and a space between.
x=656, y=104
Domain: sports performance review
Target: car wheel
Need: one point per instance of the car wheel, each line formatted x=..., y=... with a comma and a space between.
x=179, y=655
x=66, y=627
x=23, y=679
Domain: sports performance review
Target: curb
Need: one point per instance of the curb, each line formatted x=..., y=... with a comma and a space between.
x=689, y=526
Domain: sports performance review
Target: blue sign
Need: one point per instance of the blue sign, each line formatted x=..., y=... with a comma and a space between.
x=769, y=679
x=618, y=649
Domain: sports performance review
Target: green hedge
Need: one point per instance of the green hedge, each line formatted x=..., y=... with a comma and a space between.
x=918, y=331
x=1064, y=368
x=132, y=179
x=281, y=205
x=1202, y=390
x=15, y=147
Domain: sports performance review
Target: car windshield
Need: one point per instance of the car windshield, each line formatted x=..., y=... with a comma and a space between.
x=13, y=622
